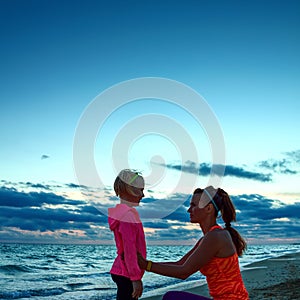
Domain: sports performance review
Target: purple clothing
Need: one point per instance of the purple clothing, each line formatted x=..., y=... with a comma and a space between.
x=129, y=235
x=178, y=295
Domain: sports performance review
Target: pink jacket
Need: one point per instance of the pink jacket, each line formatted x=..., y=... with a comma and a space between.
x=128, y=230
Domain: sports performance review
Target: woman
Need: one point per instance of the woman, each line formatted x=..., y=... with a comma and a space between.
x=215, y=254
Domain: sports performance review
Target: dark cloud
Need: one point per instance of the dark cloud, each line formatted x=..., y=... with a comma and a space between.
x=260, y=217
x=156, y=224
x=48, y=219
x=277, y=166
x=45, y=212
x=288, y=165
x=242, y=173
x=14, y=198
x=205, y=169
x=76, y=186
x=260, y=208
x=180, y=214
x=257, y=217
x=152, y=208
x=294, y=156
x=37, y=186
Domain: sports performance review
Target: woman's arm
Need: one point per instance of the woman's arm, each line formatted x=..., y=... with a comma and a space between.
x=143, y=262
x=198, y=257
x=184, y=258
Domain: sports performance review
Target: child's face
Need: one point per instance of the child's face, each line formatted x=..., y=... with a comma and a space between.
x=138, y=195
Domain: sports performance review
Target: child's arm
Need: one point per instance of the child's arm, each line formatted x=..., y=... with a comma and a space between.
x=129, y=231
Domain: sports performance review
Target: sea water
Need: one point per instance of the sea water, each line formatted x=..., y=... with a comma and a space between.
x=82, y=271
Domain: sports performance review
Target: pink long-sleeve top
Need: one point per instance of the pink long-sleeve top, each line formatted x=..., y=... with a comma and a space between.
x=129, y=235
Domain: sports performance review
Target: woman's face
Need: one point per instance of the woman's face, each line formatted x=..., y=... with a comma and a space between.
x=195, y=212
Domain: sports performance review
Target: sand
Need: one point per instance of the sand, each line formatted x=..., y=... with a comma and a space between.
x=272, y=279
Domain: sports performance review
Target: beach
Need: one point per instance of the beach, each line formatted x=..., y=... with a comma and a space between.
x=273, y=278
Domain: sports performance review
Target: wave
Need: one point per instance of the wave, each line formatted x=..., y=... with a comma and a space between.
x=14, y=269
x=51, y=292
x=32, y=293
x=78, y=285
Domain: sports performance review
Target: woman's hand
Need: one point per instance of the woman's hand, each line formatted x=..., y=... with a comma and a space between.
x=142, y=261
x=137, y=289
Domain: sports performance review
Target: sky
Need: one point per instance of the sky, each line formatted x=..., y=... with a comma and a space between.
x=189, y=93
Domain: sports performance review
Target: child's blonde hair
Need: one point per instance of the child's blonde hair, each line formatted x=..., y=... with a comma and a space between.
x=127, y=181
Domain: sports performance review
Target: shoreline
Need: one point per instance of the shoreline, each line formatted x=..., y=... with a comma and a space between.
x=272, y=278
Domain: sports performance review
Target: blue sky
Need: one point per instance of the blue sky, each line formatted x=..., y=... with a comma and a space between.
x=56, y=57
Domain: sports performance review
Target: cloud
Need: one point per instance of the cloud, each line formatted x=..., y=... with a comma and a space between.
x=278, y=166
x=205, y=169
x=258, y=217
x=37, y=213
x=12, y=198
x=76, y=186
x=242, y=173
x=48, y=219
x=46, y=215
x=152, y=208
x=257, y=207
x=289, y=165
x=294, y=156
x=37, y=186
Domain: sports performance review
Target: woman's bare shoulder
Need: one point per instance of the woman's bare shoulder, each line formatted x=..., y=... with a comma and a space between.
x=222, y=242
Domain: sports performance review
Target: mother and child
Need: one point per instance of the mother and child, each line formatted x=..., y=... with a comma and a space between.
x=215, y=254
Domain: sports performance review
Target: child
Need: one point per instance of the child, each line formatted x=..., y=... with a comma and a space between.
x=128, y=231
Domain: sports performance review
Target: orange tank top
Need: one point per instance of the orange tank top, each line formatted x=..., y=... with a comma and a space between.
x=224, y=278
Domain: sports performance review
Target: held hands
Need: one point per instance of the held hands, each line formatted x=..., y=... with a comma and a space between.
x=137, y=289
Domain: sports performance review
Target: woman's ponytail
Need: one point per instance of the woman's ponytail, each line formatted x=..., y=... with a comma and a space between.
x=228, y=213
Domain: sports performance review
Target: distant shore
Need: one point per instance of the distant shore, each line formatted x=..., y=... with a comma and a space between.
x=274, y=278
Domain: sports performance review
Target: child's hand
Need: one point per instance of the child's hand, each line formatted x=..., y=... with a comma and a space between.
x=137, y=289
x=142, y=261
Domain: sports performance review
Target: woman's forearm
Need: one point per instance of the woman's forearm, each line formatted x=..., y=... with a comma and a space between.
x=170, y=269
x=171, y=263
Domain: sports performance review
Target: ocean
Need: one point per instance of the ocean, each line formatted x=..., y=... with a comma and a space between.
x=66, y=272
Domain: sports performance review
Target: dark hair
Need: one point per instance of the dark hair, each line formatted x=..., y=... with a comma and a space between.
x=228, y=213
